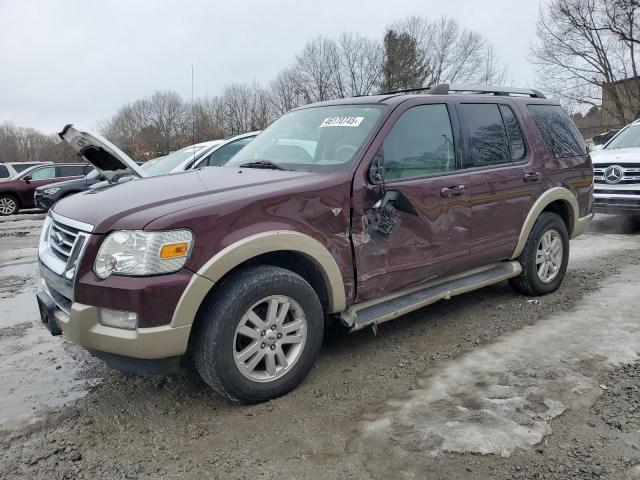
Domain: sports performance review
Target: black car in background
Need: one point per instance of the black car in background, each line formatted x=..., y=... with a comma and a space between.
x=47, y=195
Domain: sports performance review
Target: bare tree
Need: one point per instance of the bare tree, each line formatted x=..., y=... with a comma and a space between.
x=360, y=64
x=209, y=119
x=450, y=53
x=317, y=71
x=151, y=126
x=585, y=47
x=20, y=144
x=284, y=92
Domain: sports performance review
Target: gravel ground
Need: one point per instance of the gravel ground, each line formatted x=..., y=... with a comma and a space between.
x=66, y=415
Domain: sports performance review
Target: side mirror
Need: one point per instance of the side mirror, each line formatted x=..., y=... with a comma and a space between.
x=27, y=178
x=376, y=171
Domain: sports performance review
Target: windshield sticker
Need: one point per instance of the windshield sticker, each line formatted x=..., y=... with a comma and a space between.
x=341, y=122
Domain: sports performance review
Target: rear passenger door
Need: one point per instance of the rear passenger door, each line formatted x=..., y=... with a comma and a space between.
x=502, y=180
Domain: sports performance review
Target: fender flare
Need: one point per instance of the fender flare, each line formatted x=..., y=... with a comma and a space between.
x=551, y=195
x=250, y=247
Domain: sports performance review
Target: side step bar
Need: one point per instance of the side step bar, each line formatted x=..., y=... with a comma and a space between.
x=392, y=306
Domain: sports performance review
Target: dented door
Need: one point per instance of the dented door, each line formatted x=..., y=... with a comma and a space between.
x=414, y=223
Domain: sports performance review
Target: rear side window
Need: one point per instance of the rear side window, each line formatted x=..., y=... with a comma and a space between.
x=70, y=170
x=4, y=171
x=516, y=142
x=420, y=144
x=558, y=131
x=487, y=135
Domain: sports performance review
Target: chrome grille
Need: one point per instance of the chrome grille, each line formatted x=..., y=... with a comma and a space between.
x=62, y=238
x=630, y=173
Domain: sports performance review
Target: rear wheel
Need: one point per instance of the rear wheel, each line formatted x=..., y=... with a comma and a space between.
x=259, y=335
x=544, y=258
x=8, y=205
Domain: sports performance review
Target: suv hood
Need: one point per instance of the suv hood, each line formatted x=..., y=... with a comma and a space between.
x=101, y=153
x=133, y=205
x=617, y=155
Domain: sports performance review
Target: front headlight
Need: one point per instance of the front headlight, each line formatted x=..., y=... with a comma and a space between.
x=51, y=191
x=141, y=253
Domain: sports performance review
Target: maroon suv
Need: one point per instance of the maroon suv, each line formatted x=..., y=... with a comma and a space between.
x=18, y=191
x=356, y=210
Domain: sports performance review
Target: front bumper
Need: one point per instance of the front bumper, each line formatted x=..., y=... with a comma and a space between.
x=615, y=205
x=152, y=350
x=82, y=326
x=42, y=201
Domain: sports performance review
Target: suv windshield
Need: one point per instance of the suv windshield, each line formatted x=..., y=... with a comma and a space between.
x=629, y=137
x=317, y=139
x=164, y=165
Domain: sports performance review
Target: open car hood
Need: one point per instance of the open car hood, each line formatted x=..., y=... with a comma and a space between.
x=108, y=159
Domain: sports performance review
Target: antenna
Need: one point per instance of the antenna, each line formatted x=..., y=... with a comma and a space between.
x=193, y=118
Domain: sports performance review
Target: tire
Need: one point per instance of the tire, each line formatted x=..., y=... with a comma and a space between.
x=218, y=345
x=530, y=281
x=8, y=205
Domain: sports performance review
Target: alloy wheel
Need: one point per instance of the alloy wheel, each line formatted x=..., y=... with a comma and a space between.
x=7, y=206
x=269, y=338
x=549, y=255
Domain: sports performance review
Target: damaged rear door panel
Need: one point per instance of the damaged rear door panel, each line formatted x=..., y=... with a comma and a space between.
x=412, y=209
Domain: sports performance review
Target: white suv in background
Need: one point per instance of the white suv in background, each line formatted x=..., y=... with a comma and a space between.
x=11, y=169
x=617, y=173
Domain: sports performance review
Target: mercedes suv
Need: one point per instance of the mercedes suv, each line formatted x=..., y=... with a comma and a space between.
x=617, y=173
x=356, y=211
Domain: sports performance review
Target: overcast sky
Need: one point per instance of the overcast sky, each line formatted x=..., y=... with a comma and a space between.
x=77, y=61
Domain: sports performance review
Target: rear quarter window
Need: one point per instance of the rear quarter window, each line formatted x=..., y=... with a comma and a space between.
x=558, y=131
x=4, y=171
x=71, y=170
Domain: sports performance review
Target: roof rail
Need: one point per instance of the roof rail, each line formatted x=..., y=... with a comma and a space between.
x=445, y=88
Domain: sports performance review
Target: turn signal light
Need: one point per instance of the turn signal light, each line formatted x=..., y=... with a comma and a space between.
x=174, y=250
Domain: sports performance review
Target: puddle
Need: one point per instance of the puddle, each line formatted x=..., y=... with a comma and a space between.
x=501, y=397
x=37, y=371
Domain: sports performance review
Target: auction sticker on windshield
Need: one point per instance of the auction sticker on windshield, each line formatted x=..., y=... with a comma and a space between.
x=342, y=122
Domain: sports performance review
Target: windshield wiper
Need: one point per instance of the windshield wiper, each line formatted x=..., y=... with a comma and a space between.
x=262, y=164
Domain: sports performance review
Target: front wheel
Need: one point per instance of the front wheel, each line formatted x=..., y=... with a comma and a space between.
x=259, y=335
x=8, y=205
x=544, y=258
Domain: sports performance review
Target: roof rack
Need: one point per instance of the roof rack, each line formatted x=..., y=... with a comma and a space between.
x=445, y=88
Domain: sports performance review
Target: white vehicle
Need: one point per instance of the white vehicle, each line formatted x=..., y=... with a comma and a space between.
x=205, y=154
x=11, y=169
x=616, y=169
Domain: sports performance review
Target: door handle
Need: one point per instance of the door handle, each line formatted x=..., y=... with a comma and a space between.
x=454, y=191
x=531, y=176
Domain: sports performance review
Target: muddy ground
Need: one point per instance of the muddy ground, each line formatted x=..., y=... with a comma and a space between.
x=486, y=385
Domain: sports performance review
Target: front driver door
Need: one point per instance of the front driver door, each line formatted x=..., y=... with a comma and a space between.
x=414, y=222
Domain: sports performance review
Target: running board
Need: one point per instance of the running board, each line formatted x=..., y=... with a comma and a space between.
x=392, y=306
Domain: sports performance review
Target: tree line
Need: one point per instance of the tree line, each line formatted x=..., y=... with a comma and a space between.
x=21, y=144
x=415, y=52
x=582, y=48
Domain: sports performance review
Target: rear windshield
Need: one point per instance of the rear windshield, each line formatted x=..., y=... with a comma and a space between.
x=164, y=165
x=627, y=138
x=558, y=131
x=316, y=139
